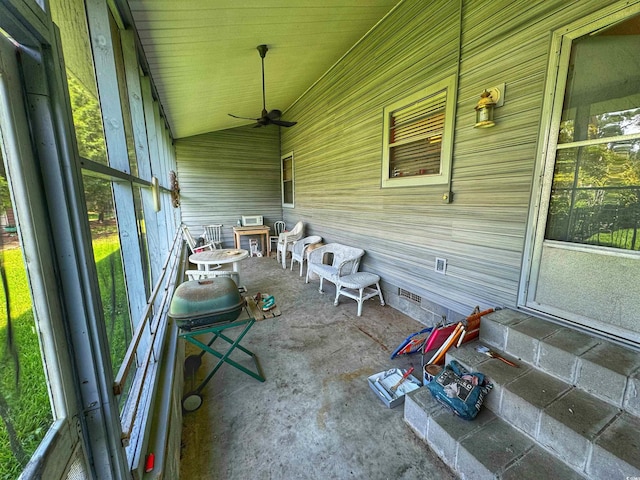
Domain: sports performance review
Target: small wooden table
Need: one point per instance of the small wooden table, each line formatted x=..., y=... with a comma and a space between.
x=262, y=230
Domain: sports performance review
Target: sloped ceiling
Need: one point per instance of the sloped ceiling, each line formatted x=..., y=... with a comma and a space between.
x=203, y=59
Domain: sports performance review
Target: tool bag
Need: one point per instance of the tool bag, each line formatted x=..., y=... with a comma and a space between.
x=459, y=390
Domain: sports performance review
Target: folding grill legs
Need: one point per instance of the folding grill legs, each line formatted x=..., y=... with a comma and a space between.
x=192, y=400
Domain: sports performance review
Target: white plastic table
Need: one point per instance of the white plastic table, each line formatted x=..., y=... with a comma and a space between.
x=210, y=258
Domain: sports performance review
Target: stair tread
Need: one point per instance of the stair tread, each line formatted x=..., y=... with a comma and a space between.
x=486, y=447
x=531, y=415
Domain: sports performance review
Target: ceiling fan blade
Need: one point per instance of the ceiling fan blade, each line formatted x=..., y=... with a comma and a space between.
x=243, y=118
x=283, y=123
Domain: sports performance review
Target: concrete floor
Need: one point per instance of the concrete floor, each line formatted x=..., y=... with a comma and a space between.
x=315, y=416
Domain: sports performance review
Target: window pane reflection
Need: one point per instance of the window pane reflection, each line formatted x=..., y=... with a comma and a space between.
x=596, y=183
x=108, y=259
x=596, y=196
x=25, y=408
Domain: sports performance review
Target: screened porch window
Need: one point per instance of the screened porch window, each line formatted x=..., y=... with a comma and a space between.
x=595, y=196
x=417, y=137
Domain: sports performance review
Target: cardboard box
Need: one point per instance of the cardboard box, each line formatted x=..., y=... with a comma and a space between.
x=382, y=382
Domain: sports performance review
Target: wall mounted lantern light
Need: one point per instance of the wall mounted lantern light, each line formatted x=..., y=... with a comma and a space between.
x=490, y=99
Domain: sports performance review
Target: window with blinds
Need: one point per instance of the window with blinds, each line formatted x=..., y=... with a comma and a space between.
x=416, y=133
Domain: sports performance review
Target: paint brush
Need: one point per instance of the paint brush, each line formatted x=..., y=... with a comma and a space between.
x=492, y=354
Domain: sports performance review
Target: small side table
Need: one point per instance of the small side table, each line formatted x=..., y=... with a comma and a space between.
x=359, y=286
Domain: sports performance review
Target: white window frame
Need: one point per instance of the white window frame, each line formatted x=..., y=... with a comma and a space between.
x=448, y=85
x=292, y=180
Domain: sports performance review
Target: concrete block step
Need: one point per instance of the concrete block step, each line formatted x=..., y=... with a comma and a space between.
x=575, y=426
x=608, y=371
x=485, y=448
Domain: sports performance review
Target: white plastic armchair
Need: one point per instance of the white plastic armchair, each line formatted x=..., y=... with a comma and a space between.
x=299, y=249
x=346, y=260
x=286, y=241
x=193, y=245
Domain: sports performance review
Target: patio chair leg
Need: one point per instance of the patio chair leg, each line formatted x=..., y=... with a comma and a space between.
x=380, y=294
x=360, y=302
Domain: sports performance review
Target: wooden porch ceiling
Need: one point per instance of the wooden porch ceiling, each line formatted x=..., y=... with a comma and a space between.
x=203, y=59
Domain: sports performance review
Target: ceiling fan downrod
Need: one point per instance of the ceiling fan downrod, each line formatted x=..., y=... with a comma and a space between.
x=263, y=49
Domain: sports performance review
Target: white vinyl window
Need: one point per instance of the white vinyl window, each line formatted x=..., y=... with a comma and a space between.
x=288, y=182
x=418, y=137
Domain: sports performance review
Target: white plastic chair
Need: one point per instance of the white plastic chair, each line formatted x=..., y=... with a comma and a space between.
x=213, y=234
x=299, y=249
x=193, y=245
x=278, y=228
x=286, y=241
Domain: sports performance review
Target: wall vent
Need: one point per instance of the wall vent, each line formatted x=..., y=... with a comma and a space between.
x=411, y=296
x=441, y=265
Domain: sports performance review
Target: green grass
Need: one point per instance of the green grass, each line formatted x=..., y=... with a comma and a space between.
x=28, y=404
x=28, y=401
x=114, y=300
x=622, y=238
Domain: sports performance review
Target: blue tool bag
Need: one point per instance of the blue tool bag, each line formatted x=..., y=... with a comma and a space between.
x=459, y=390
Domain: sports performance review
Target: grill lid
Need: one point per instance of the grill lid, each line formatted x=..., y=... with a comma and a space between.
x=197, y=298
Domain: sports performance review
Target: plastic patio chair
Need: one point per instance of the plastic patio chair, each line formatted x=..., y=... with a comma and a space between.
x=278, y=228
x=299, y=249
x=213, y=235
x=193, y=244
x=286, y=241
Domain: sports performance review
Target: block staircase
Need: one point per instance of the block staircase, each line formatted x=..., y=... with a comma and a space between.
x=570, y=411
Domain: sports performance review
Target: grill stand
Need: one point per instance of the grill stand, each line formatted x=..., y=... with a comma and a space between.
x=193, y=400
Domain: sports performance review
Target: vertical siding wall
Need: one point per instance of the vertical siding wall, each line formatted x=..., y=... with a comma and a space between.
x=229, y=173
x=338, y=140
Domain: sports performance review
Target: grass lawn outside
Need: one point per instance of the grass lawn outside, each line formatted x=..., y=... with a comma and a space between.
x=27, y=404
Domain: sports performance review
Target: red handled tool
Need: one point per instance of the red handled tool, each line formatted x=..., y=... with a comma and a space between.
x=404, y=377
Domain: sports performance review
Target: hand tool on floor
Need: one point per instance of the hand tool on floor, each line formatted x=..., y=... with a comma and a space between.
x=389, y=396
x=492, y=354
x=404, y=377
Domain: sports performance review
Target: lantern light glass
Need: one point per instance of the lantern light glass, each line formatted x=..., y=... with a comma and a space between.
x=484, y=110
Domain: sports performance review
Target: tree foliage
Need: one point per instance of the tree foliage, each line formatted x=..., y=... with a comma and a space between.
x=87, y=120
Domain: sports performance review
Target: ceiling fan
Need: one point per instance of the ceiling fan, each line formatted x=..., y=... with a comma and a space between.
x=267, y=118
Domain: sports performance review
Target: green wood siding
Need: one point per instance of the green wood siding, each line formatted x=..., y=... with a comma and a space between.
x=229, y=173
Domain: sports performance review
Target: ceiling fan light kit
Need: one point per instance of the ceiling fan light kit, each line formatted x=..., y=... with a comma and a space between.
x=266, y=118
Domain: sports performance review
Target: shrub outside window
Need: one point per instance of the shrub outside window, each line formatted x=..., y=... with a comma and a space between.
x=418, y=137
